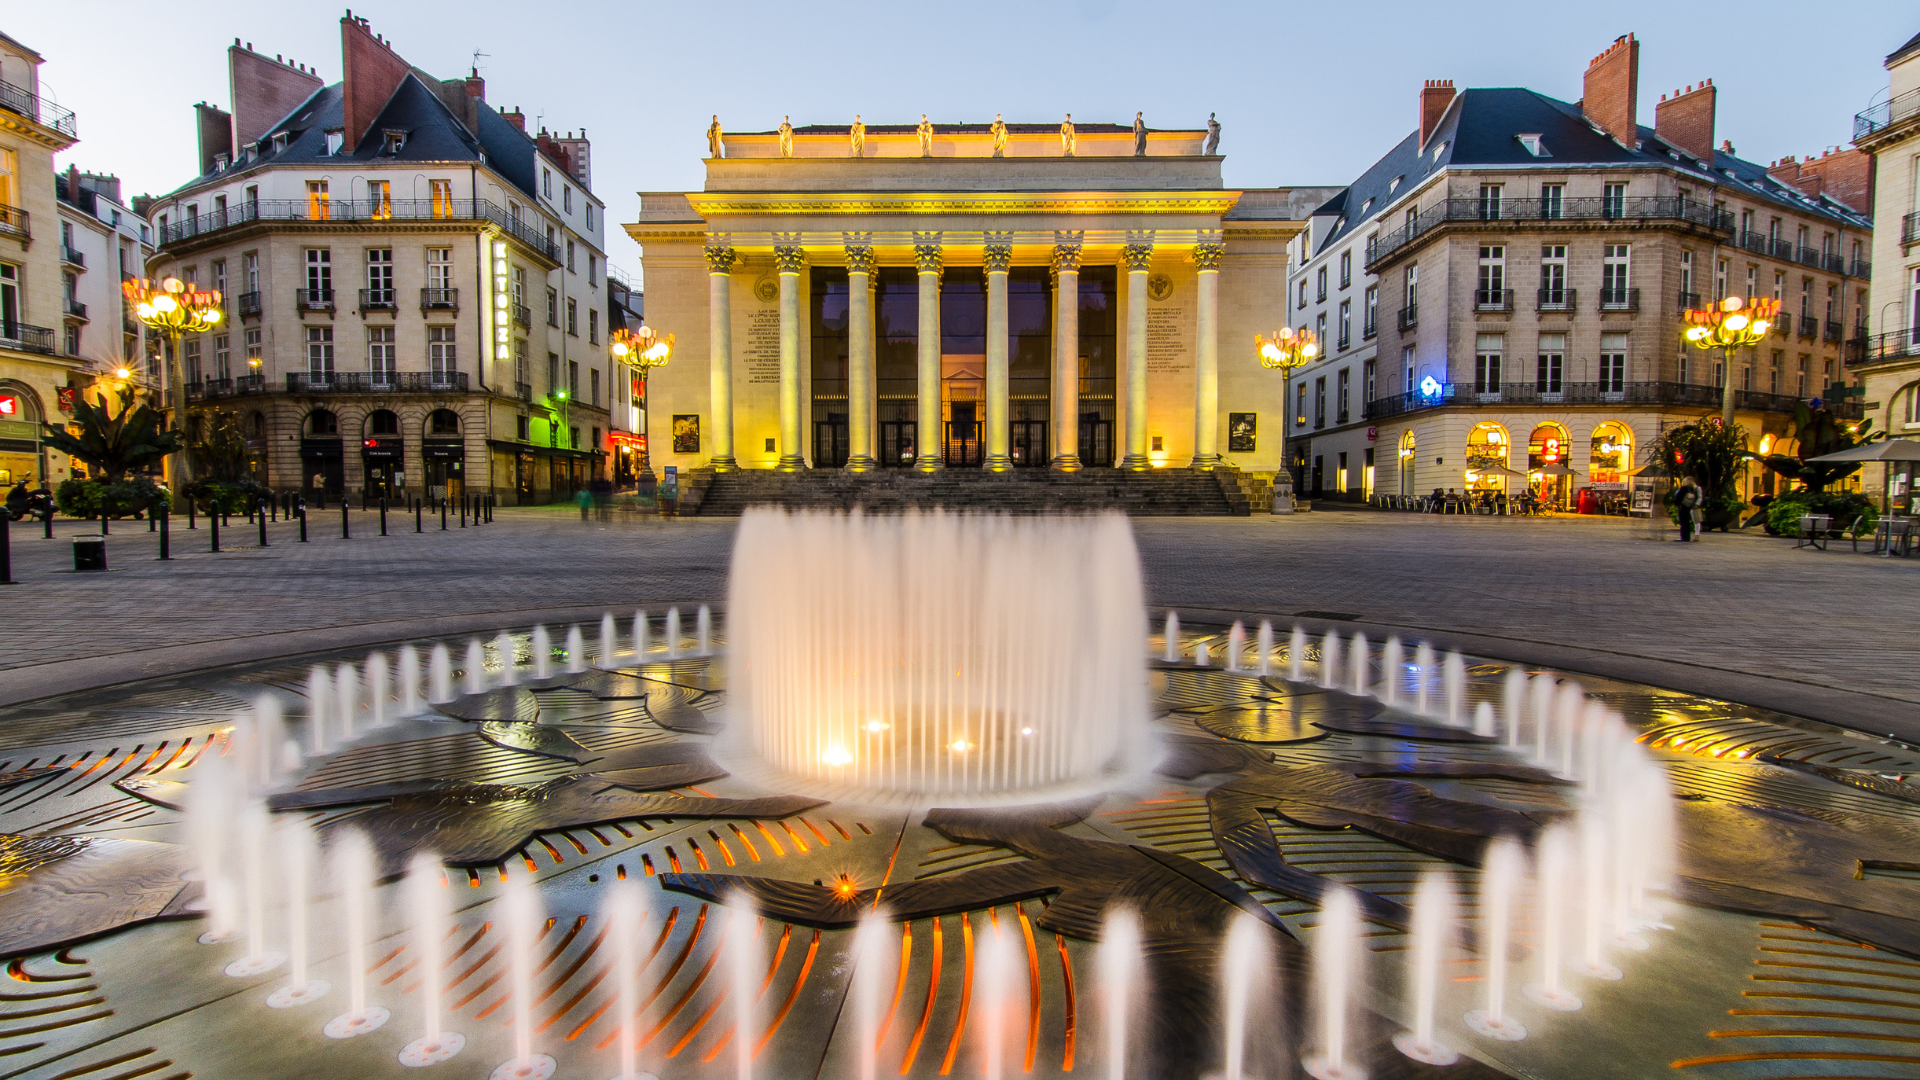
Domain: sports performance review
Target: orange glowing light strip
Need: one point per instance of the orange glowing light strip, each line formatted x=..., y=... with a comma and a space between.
x=926, y=1013
x=685, y=951
x=1033, y=986
x=1066, y=973
x=899, y=985
x=966, y=993
x=581, y=1028
x=793, y=995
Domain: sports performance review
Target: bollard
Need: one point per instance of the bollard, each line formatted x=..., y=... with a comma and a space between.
x=262, y=518
x=346, y=526
x=213, y=521
x=443, y=513
x=363, y=498
x=463, y=511
x=165, y=554
x=416, y=515
x=383, y=515
x=6, y=548
x=190, y=522
x=151, y=519
x=103, y=523
x=491, y=502
x=89, y=553
x=46, y=520
x=303, y=520
x=249, y=515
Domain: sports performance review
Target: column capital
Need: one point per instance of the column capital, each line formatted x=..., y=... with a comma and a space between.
x=720, y=258
x=859, y=247
x=1207, y=256
x=926, y=252
x=1066, y=251
x=1137, y=256
x=789, y=258
x=997, y=256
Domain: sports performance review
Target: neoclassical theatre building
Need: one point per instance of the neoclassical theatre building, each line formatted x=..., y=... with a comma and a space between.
x=878, y=297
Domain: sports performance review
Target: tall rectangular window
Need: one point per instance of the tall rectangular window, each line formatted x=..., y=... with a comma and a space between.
x=593, y=381
x=1320, y=285
x=1406, y=362
x=573, y=317
x=1370, y=320
x=569, y=255
x=380, y=355
x=1687, y=297
x=1553, y=201
x=1366, y=381
x=1493, y=276
x=1613, y=201
x=379, y=200
x=1551, y=364
x=1346, y=322
x=573, y=380
x=220, y=276
x=593, y=326
x=1614, y=265
x=1553, y=276
x=1613, y=363
x=319, y=206
x=1320, y=402
x=522, y=368
x=320, y=354
x=1488, y=352
x=553, y=308
x=251, y=260
x=1346, y=269
x=1490, y=201
x=1719, y=280
x=1341, y=393
x=439, y=268
x=190, y=359
x=441, y=192
x=1413, y=290
x=319, y=275
x=380, y=275
x=1773, y=372
x=222, y=356
x=442, y=360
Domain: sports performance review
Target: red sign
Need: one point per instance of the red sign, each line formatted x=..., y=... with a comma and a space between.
x=1372, y=434
x=67, y=395
x=626, y=438
x=9, y=405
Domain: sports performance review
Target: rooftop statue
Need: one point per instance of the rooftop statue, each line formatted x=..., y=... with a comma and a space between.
x=716, y=147
x=1139, y=135
x=1213, y=135
x=857, y=137
x=1066, y=136
x=786, y=136
x=999, y=136
x=925, y=131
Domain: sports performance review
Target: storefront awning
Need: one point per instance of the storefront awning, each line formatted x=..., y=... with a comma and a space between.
x=543, y=451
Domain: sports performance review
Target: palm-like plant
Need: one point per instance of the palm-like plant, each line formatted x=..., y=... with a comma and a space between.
x=115, y=443
x=1817, y=432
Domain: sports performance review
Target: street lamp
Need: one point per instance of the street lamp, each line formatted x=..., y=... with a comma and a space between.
x=1731, y=324
x=1288, y=350
x=173, y=310
x=642, y=351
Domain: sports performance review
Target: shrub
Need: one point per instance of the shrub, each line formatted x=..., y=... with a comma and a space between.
x=110, y=498
x=1844, y=507
x=233, y=497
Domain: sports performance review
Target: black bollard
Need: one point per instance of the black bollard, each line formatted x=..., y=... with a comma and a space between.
x=213, y=522
x=151, y=519
x=190, y=522
x=383, y=515
x=416, y=515
x=46, y=520
x=263, y=523
x=303, y=520
x=249, y=515
x=346, y=527
x=166, y=555
x=103, y=523
x=463, y=511
x=443, y=513
x=491, y=503
x=363, y=498
x=6, y=548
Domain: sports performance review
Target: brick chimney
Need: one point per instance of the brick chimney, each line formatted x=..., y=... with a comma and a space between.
x=371, y=72
x=1611, y=94
x=1434, y=99
x=1685, y=119
x=476, y=86
x=1843, y=175
x=262, y=91
x=517, y=118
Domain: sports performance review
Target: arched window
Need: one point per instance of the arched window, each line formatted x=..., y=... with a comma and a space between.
x=321, y=423
x=257, y=425
x=383, y=422
x=1612, y=454
x=1408, y=460
x=1487, y=448
x=1547, y=469
x=443, y=422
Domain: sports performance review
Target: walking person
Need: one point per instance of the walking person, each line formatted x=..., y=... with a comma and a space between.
x=1686, y=502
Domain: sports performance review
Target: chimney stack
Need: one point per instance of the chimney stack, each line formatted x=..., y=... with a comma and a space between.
x=1434, y=99
x=1685, y=119
x=1610, y=96
x=517, y=118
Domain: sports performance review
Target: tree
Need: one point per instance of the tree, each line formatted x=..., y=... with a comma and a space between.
x=1708, y=451
x=115, y=443
x=220, y=456
x=1817, y=432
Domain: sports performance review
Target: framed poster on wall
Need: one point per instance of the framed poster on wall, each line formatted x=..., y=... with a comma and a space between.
x=686, y=433
x=1241, y=428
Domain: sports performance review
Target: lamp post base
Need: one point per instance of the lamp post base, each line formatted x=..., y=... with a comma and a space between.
x=1282, y=496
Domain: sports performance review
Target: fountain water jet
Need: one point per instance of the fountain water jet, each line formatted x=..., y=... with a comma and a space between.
x=1514, y=700
x=520, y=910
x=253, y=857
x=1392, y=670
x=744, y=967
x=1119, y=964
x=439, y=676
x=318, y=687
x=576, y=650
x=703, y=631
x=1243, y=957
x=1203, y=655
x=410, y=703
x=641, y=634
x=1330, y=660
x=1453, y=683
x=1014, y=671
x=1422, y=678
x=1540, y=699
x=869, y=990
x=378, y=689
x=625, y=916
x=673, y=633
x=609, y=640
x=1170, y=650
x=504, y=648
x=995, y=965
x=427, y=899
x=1337, y=956
x=1263, y=644
x=1297, y=655
x=1499, y=886
x=542, y=649
x=353, y=869
x=476, y=668
x=1596, y=911
x=212, y=801
x=1433, y=930
x=1552, y=867
x=1360, y=661
x=346, y=699
x=297, y=855
x=1236, y=645
x=1483, y=722
x=269, y=731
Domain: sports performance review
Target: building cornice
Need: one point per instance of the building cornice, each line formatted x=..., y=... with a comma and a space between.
x=51, y=138
x=710, y=204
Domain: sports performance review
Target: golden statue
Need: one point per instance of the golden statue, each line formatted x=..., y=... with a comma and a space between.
x=786, y=137
x=1066, y=136
x=926, y=136
x=715, y=147
x=999, y=136
x=857, y=135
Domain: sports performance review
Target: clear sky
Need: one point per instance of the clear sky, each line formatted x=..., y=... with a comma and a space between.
x=1306, y=93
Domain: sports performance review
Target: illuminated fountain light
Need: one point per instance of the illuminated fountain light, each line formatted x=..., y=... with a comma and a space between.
x=1337, y=953
x=1006, y=666
x=1170, y=650
x=1239, y=986
x=1596, y=908
x=1263, y=644
x=295, y=841
x=1434, y=913
x=1236, y=645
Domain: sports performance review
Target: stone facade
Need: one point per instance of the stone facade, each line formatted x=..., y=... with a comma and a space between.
x=1889, y=359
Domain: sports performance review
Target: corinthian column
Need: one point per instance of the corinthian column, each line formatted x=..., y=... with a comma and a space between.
x=1066, y=353
x=1206, y=357
x=1138, y=257
x=997, y=257
x=791, y=261
x=720, y=260
x=860, y=354
x=929, y=443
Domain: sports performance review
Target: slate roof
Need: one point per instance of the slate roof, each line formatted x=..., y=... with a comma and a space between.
x=1481, y=129
x=968, y=129
x=1912, y=44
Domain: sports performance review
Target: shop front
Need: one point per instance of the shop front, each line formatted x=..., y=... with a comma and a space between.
x=445, y=460
x=384, y=460
x=1610, y=458
x=20, y=457
x=1547, y=471
x=629, y=458
x=1487, y=471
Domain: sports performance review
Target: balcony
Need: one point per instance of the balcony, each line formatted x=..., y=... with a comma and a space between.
x=1369, y=329
x=1783, y=325
x=377, y=300
x=1886, y=114
x=73, y=309
x=1860, y=268
x=248, y=303
x=314, y=299
x=1409, y=317
x=1638, y=210
x=1689, y=301
x=212, y=389
x=439, y=299
x=522, y=315
x=20, y=337
x=1897, y=345
x=523, y=391
x=1755, y=242
x=1556, y=299
x=72, y=258
x=13, y=222
x=1810, y=257
x=1346, y=342
x=362, y=382
x=1617, y=299
x=1910, y=229
x=1808, y=326
x=1493, y=299
x=1832, y=328
x=18, y=99
x=337, y=212
x=1558, y=394
x=1781, y=248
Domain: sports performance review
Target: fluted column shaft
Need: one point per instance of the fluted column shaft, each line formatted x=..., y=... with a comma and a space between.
x=791, y=261
x=1066, y=357
x=998, y=257
x=1137, y=257
x=929, y=441
x=720, y=260
x=860, y=398
x=1206, y=359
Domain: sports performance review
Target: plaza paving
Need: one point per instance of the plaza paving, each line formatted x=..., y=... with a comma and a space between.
x=1821, y=634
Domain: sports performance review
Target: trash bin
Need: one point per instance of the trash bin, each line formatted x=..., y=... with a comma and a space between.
x=89, y=553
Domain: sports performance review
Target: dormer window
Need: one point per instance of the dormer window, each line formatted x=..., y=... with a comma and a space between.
x=250, y=151
x=1365, y=207
x=393, y=141
x=335, y=140
x=1533, y=145
x=279, y=141
x=220, y=162
x=1393, y=185
x=1438, y=151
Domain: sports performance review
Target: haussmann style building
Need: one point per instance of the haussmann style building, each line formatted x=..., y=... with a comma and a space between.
x=1888, y=360
x=889, y=298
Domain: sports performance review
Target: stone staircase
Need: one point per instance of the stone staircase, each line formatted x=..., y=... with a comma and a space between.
x=1159, y=492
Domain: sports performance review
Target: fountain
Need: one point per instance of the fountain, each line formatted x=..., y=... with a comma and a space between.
x=641, y=635
x=427, y=899
x=1263, y=644
x=1596, y=910
x=1015, y=673
x=576, y=650
x=703, y=631
x=1330, y=660
x=1119, y=967
x=542, y=649
x=626, y=916
x=1540, y=696
x=353, y=870
x=211, y=804
x=743, y=967
x=520, y=910
x=410, y=703
x=254, y=827
x=439, y=676
x=1499, y=885
x=1170, y=651
x=1433, y=932
x=1337, y=956
x=996, y=964
x=378, y=690
x=1297, y=655
x=297, y=855
x=1392, y=670
x=1422, y=678
x=1202, y=655
x=673, y=629
x=870, y=973
x=1236, y=645
x=1360, y=660
x=1238, y=987
x=269, y=732
x=1453, y=683
x=318, y=686
x=609, y=640
x=1552, y=866
x=1513, y=697
x=346, y=699
x=475, y=669
x=1483, y=722
x=504, y=648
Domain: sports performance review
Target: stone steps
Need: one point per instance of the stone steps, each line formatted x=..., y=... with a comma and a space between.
x=1161, y=492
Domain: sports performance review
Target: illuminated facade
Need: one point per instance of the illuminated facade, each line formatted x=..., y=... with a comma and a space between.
x=1889, y=359
x=890, y=298
x=416, y=289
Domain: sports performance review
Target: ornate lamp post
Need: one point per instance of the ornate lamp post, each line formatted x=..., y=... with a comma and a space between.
x=173, y=310
x=1289, y=349
x=642, y=351
x=1731, y=324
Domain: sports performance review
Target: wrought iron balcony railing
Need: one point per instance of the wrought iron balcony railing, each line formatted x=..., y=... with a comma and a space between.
x=376, y=299
x=1886, y=114
x=1593, y=393
x=314, y=299
x=1557, y=299
x=439, y=299
x=19, y=99
x=24, y=338
x=1520, y=211
x=1409, y=316
x=1493, y=299
x=248, y=303
x=361, y=212
x=1618, y=299
x=74, y=309
x=240, y=386
x=14, y=222
x=367, y=382
x=72, y=258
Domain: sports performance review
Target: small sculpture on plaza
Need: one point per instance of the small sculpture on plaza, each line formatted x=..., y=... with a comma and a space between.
x=1066, y=136
x=925, y=131
x=999, y=136
x=1213, y=135
x=715, y=146
x=1139, y=135
x=786, y=136
x=857, y=137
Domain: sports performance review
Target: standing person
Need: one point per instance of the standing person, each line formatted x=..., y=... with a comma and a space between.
x=1686, y=501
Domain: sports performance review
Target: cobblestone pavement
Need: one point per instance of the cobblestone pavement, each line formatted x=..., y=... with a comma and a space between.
x=1744, y=606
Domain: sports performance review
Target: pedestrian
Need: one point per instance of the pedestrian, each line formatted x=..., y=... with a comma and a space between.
x=1686, y=503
